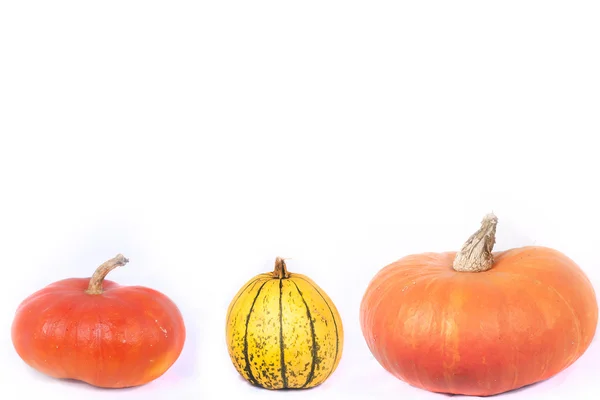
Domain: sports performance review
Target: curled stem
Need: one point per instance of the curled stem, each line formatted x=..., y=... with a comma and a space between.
x=95, y=285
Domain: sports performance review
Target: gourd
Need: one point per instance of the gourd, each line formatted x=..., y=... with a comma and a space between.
x=283, y=331
x=96, y=331
x=478, y=322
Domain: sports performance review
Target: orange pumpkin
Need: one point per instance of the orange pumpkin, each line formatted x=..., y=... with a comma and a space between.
x=477, y=322
x=95, y=331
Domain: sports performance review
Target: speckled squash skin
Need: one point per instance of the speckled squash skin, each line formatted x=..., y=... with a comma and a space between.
x=283, y=331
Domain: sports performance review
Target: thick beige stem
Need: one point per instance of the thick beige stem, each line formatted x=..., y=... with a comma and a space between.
x=95, y=286
x=476, y=254
x=280, y=271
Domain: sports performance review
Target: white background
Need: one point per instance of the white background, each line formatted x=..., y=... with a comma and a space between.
x=203, y=139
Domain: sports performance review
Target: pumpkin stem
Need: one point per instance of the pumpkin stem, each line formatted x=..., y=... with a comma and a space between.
x=476, y=254
x=95, y=286
x=280, y=271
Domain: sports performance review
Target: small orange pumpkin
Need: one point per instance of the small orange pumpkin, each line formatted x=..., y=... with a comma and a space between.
x=477, y=322
x=99, y=332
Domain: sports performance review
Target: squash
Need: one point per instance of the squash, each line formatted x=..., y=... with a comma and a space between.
x=477, y=322
x=283, y=331
x=96, y=331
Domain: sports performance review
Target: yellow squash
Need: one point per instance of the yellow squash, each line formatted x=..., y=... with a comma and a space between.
x=283, y=331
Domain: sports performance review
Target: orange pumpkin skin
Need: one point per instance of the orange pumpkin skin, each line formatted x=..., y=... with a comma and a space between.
x=126, y=336
x=524, y=320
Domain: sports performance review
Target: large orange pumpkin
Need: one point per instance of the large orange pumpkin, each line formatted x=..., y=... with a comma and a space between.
x=96, y=331
x=477, y=322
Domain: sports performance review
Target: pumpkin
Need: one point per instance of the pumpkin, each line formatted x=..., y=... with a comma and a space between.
x=283, y=331
x=478, y=322
x=96, y=331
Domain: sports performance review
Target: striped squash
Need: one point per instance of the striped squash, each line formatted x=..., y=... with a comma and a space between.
x=283, y=331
